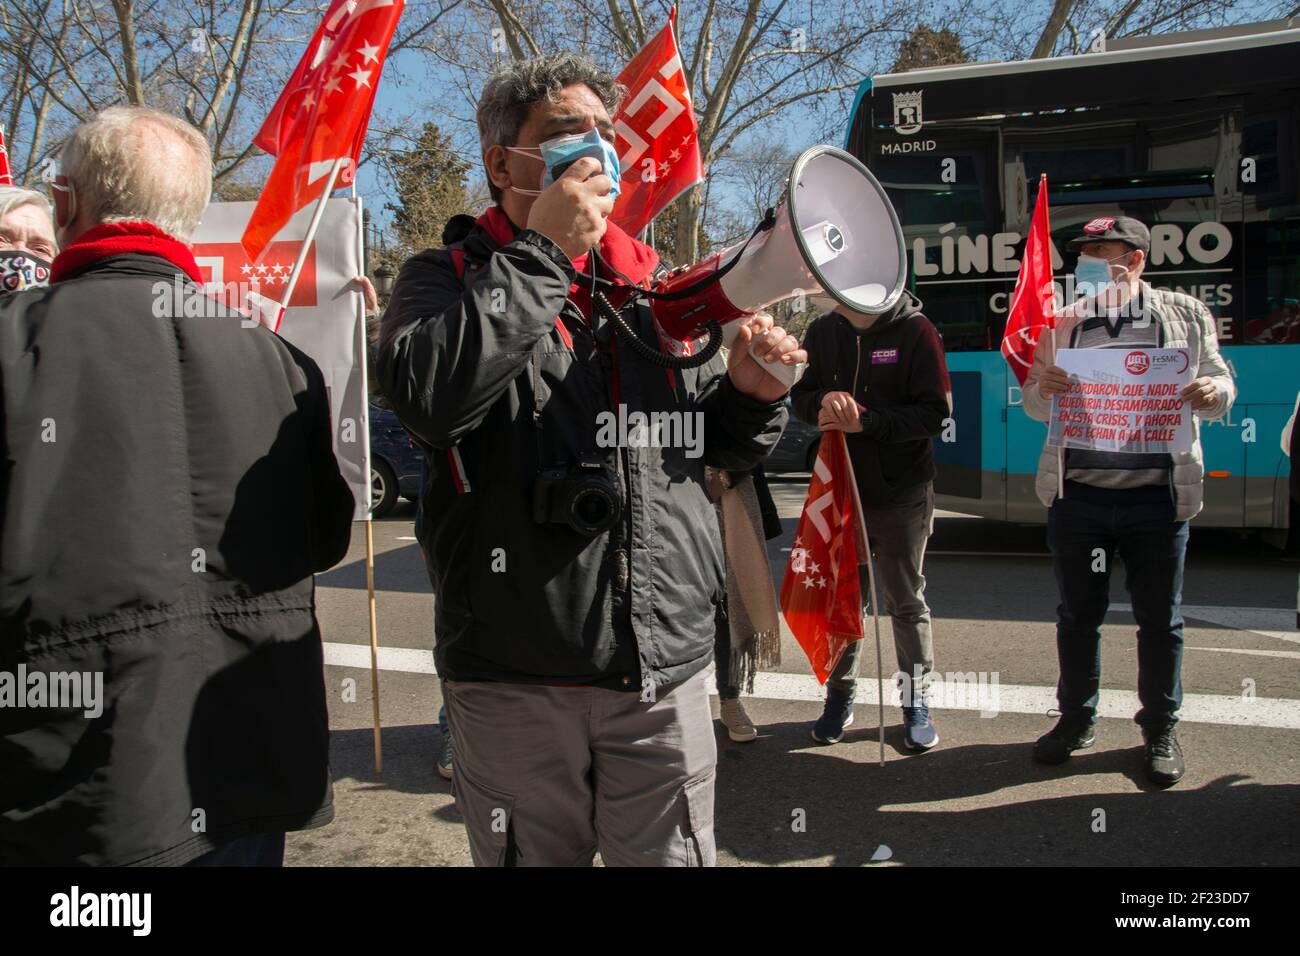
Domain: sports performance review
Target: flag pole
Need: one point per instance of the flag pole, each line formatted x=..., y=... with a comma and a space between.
x=374, y=644
x=363, y=352
x=306, y=243
x=1060, y=454
x=1047, y=209
x=871, y=584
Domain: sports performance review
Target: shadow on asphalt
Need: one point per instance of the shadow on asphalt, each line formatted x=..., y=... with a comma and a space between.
x=409, y=751
x=397, y=569
x=853, y=807
x=1229, y=821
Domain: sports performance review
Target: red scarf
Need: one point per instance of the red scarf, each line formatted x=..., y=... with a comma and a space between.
x=121, y=238
x=634, y=259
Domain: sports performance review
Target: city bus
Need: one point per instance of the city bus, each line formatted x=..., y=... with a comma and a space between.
x=1196, y=135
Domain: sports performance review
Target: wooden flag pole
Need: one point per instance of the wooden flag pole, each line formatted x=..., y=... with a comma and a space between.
x=871, y=584
x=362, y=347
x=374, y=643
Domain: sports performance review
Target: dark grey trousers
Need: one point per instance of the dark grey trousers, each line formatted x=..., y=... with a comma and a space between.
x=546, y=776
x=898, y=539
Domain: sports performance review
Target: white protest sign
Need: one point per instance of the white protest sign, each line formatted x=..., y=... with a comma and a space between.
x=324, y=319
x=1123, y=400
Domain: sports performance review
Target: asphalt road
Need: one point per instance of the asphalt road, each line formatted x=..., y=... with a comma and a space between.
x=977, y=798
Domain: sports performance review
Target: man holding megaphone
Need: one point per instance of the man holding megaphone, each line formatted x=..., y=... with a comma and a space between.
x=576, y=575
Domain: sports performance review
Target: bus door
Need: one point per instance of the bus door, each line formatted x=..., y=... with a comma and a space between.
x=948, y=202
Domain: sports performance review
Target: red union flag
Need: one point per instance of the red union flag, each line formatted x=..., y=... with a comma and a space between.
x=1033, y=304
x=322, y=115
x=229, y=273
x=6, y=174
x=658, y=149
x=820, y=596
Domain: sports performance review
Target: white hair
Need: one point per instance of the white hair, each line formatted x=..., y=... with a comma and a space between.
x=15, y=197
x=131, y=163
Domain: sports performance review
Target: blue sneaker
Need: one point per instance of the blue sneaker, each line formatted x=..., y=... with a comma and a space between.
x=838, y=714
x=918, y=729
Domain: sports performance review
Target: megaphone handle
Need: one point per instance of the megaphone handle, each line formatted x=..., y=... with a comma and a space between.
x=787, y=375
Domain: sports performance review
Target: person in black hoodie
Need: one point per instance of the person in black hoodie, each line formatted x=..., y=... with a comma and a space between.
x=883, y=381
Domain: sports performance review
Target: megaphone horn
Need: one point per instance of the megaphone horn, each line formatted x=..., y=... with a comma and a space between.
x=834, y=234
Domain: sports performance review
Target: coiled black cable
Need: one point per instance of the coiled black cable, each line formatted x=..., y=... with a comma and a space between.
x=651, y=353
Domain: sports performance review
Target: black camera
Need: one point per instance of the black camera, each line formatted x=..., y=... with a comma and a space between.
x=585, y=496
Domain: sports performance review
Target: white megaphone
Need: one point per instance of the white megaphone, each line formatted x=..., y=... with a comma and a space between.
x=833, y=236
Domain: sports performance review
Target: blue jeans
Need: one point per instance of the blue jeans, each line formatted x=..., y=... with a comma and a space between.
x=263, y=849
x=1085, y=536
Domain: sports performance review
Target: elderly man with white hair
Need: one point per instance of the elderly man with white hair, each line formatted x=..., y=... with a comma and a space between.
x=27, y=245
x=170, y=489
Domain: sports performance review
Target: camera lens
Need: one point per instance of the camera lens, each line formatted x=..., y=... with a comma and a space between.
x=592, y=510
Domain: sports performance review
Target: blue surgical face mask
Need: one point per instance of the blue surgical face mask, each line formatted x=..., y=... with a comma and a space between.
x=559, y=153
x=1092, y=276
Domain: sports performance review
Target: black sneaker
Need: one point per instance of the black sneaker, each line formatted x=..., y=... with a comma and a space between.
x=836, y=715
x=1164, y=757
x=1069, y=734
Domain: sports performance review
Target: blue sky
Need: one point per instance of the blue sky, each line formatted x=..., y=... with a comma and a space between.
x=408, y=89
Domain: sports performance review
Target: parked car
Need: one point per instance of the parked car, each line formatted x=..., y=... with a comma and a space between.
x=395, y=462
x=797, y=449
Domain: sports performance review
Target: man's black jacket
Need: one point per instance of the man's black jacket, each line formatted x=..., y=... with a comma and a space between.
x=523, y=602
x=895, y=369
x=168, y=488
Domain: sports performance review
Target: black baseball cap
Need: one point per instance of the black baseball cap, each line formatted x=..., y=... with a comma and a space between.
x=1116, y=229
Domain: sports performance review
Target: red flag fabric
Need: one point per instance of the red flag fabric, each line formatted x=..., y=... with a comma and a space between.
x=821, y=597
x=1033, y=304
x=6, y=174
x=322, y=115
x=657, y=142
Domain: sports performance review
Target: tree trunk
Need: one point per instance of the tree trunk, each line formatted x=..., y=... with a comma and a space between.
x=134, y=88
x=1055, y=24
x=686, y=242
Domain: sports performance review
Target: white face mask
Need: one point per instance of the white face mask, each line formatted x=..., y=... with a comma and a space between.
x=59, y=182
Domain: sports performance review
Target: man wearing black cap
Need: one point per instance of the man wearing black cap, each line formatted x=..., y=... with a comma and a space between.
x=1135, y=504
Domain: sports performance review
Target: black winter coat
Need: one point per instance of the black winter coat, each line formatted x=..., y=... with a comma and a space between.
x=168, y=489
x=897, y=370
x=524, y=602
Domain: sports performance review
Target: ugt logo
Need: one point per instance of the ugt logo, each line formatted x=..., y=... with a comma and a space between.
x=1137, y=363
x=907, y=112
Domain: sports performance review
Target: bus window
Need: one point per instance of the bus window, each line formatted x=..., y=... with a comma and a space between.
x=948, y=204
x=1272, y=301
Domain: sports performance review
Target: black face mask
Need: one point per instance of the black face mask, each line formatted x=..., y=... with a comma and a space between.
x=22, y=270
